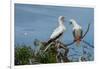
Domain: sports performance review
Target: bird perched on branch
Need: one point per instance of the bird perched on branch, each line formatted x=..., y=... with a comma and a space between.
x=77, y=31
x=58, y=32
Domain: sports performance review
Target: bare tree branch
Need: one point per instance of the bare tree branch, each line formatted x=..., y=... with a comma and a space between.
x=46, y=48
x=70, y=43
x=81, y=38
x=75, y=40
x=58, y=43
x=88, y=43
x=86, y=31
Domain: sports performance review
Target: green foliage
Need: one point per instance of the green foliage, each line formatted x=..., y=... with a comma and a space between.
x=26, y=55
x=22, y=54
x=44, y=57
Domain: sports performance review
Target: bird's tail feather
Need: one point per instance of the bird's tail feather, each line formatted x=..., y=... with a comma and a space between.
x=77, y=42
x=48, y=42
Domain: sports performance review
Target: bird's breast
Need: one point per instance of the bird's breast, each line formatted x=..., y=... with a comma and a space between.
x=64, y=28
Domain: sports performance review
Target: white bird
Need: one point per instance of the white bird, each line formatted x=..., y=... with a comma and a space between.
x=77, y=31
x=57, y=33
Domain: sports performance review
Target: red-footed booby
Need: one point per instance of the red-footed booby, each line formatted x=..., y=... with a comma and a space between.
x=57, y=33
x=77, y=31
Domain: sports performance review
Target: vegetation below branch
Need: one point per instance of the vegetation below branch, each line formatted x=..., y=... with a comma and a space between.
x=56, y=52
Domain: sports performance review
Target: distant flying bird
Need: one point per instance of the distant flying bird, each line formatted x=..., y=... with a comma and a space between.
x=77, y=31
x=57, y=33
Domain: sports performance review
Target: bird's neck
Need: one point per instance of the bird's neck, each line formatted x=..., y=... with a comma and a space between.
x=74, y=24
x=61, y=23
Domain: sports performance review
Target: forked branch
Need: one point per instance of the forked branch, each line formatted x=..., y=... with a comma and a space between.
x=81, y=38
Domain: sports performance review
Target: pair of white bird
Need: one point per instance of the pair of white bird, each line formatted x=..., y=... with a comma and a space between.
x=58, y=32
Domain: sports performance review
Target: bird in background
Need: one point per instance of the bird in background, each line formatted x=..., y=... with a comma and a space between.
x=58, y=32
x=77, y=31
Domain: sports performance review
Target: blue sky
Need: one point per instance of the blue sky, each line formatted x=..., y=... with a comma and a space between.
x=39, y=21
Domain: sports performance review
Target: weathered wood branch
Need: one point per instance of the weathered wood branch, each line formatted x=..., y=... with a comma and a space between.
x=82, y=38
x=58, y=45
x=88, y=43
x=86, y=31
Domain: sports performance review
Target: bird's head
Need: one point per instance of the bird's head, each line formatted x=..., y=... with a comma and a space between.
x=61, y=18
x=72, y=21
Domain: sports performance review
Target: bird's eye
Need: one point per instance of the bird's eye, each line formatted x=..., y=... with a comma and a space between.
x=70, y=22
